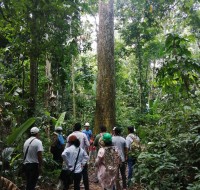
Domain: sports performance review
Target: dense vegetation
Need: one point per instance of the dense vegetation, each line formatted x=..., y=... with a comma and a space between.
x=48, y=77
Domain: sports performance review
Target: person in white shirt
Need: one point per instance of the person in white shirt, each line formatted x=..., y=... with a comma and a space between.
x=69, y=156
x=33, y=149
x=84, y=144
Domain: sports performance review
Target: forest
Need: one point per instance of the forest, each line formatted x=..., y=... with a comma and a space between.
x=114, y=63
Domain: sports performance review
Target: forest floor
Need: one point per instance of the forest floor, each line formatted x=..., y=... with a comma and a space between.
x=93, y=185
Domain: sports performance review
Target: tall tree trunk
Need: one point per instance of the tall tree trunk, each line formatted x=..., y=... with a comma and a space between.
x=105, y=98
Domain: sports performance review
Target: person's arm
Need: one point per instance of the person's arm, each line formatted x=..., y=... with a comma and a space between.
x=87, y=143
x=90, y=133
x=39, y=155
x=96, y=141
x=85, y=158
x=40, y=149
x=128, y=142
x=64, y=157
x=99, y=157
x=126, y=153
x=67, y=144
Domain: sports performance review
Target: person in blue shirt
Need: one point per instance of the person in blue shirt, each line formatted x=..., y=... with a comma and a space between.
x=87, y=131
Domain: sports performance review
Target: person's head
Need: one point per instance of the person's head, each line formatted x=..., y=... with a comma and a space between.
x=77, y=126
x=107, y=139
x=72, y=140
x=130, y=129
x=117, y=131
x=87, y=125
x=103, y=129
x=58, y=129
x=34, y=131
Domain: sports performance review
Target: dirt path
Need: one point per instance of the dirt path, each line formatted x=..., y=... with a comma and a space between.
x=93, y=185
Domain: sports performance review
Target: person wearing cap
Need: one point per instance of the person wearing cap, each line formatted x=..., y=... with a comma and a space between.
x=70, y=155
x=107, y=162
x=84, y=144
x=32, y=150
x=131, y=159
x=120, y=143
x=58, y=145
x=87, y=131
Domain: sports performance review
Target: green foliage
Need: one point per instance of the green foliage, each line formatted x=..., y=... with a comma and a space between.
x=169, y=162
x=171, y=158
x=19, y=131
x=179, y=71
x=60, y=120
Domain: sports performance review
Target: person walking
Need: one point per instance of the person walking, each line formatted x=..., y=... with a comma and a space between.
x=107, y=163
x=58, y=145
x=32, y=149
x=131, y=137
x=120, y=143
x=75, y=158
x=97, y=138
x=97, y=144
x=84, y=144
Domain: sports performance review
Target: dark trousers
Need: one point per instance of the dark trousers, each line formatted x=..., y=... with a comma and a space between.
x=131, y=162
x=85, y=177
x=32, y=174
x=77, y=181
x=122, y=169
x=67, y=180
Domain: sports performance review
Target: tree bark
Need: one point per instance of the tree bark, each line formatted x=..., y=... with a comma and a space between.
x=105, y=97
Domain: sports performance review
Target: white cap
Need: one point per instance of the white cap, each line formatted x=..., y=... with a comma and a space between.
x=34, y=130
x=58, y=128
x=114, y=128
x=87, y=124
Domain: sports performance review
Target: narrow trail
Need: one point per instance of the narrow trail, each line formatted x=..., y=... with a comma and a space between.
x=93, y=185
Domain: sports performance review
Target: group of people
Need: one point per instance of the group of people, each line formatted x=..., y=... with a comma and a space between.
x=112, y=154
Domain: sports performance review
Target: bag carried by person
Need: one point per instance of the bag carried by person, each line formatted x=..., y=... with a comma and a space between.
x=135, y=146
x=111, y=159
x=67, y=176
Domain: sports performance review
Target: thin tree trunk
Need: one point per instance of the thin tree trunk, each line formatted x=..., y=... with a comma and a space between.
x=73, y=90
x=105, y=97
x=33, y=55
x=33, y=83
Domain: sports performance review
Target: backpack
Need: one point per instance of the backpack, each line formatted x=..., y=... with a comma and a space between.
x=57, y=146
x=135, y=146
x=111, y=158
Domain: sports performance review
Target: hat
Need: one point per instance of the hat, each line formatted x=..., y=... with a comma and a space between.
x=87, y=124
x=58, y=128
x=107, y=137
x=34, y=130
x=114, y=128
x=72, y=138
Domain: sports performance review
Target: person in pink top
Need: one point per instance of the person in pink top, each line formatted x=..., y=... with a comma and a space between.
x=107, y=162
